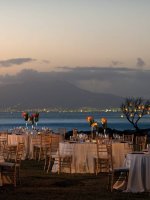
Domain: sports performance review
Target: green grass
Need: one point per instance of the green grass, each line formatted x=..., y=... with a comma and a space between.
x=38, y=185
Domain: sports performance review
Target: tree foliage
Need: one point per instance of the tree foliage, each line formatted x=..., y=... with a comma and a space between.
x=134, y=109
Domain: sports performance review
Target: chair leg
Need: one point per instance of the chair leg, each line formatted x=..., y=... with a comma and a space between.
x=18, y=175
x=35, y=153
x=48, y=164
x=70, y=168
x=39, y=155
x=60, y=160
x=111, y=182
x=45, y=163
x=14, y=177
x=95, y=166
x=70, y=165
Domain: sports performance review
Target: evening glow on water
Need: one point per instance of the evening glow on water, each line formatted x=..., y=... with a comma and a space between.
x=55, y=120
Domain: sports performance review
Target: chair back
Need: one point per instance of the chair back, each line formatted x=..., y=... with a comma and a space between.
x=110, y=158
x=104, y=162
x=141, y=142
x=36, y=139
x=101, y=149
x=54, y=144
x=3, y=138
x=128, y=138
x=45, y=140
x=19, y=152
x=4, y=134
x=62, y=132
x=74, y=132
x=41, y=145
x=11, y=152
x=3, y=145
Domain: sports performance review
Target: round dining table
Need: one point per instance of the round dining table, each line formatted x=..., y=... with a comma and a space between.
x=139, y=172
x=83, y=154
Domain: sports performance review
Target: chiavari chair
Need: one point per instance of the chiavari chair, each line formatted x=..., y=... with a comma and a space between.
x=11, y=168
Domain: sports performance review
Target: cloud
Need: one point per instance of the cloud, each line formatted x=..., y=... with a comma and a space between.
x=140, y=62
x=15, y=61
x=115, y=80
x=119, y=81
x=116, y=62
x=95, y=73
x=46, y=61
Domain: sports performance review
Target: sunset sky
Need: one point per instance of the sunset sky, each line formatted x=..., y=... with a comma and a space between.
x=57, y=35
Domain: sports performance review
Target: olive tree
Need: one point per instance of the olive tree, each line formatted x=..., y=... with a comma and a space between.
x=134, y=109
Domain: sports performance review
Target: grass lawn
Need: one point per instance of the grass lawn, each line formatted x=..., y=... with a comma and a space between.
x=38, y=185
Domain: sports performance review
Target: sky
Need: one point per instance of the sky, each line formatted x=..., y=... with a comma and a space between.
x=66, y=36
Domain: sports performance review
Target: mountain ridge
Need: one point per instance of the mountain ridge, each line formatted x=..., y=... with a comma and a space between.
x=54, y=93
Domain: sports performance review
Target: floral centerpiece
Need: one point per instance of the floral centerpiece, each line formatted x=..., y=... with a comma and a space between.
x=93, y=124
x=25, y=115
x=36, y=117
x=90, y=119
x=32, y=119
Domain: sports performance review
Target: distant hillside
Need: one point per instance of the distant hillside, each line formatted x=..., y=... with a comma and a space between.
x=54, y=94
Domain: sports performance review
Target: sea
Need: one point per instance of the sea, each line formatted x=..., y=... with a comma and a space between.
x=70, y=120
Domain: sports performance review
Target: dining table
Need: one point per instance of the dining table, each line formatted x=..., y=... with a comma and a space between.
x=139, y=172
x=27, y=138
x=83, y=154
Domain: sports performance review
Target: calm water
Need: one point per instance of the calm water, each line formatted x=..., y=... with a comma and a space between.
x=55, y=120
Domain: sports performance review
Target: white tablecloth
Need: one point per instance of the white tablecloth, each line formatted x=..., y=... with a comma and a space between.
x=27, y=138
x=139, y=173
x=83, y=155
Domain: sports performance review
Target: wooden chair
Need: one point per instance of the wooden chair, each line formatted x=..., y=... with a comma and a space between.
x=128, y=138
x=10, y=152
x=54, y=156
x=51, y=153
x=36, y=141
x=141, y=142
x=62, y=132
x=4, y=135
x=3, y=142
x=65, y=160
x=103, y=160
x=41, y=144
x=118, y=178
x=11, y=168
x=3, y=145
x=74, y=132
x=105, y=164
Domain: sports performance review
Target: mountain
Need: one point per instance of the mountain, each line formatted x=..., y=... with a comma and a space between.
x=54, y=93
